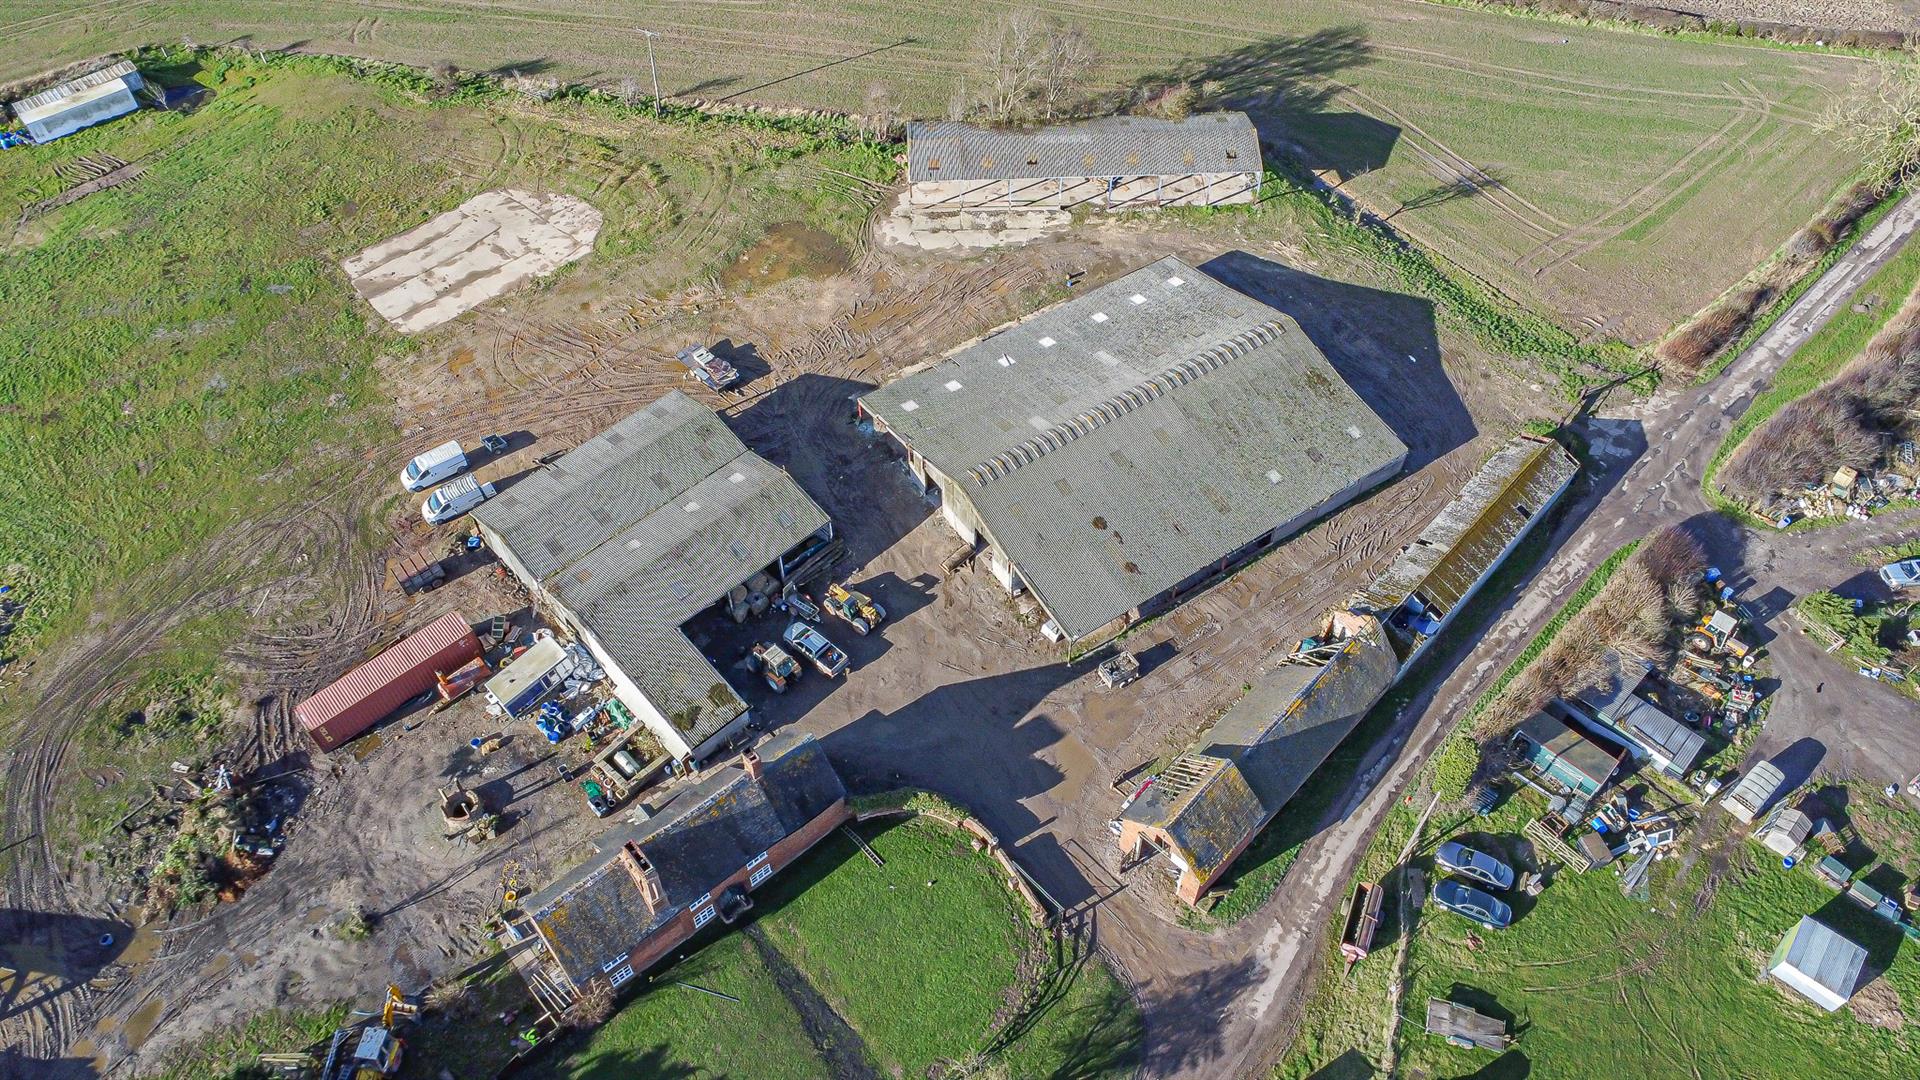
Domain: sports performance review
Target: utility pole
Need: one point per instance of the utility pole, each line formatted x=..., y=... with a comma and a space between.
x=650, y=35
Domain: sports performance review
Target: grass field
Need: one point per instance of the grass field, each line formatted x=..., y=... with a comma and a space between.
x=917, y=957
x=191, y=363
x=1602, y=985
x=1635, y=176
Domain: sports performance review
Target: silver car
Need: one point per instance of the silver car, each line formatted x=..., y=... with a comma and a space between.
x=1462, y=899
x=1904, y=574
x=1478, y=865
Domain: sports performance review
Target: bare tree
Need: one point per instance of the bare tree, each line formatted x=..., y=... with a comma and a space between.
x=879, y=109
x=1033, y=62
x=1878, y=121
x=593, y=1007
x=443, y=72
x=632, y=90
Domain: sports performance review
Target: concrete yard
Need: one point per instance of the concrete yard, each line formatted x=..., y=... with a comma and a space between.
x=486, y=247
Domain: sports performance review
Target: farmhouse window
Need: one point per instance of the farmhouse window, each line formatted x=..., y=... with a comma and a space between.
x=703, y=917
x=759, y=876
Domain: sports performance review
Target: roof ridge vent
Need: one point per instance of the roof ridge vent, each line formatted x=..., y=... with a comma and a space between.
x=1102, y=413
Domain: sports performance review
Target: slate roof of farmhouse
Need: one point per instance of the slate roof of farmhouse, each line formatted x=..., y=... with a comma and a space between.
x=702, y=836
x=1119, y=443
x=1215, y=142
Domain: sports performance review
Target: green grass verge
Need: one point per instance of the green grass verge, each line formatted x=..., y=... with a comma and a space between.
x=1609, y=986
x=225, y=1054
x=1581, y=597
x=920, y=957
x=1815, y=363
x=1807, y=280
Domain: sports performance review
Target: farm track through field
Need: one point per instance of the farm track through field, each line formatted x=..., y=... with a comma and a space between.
x=1591, y=235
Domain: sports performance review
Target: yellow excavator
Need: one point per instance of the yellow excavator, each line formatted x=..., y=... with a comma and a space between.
x=362, y=1050
x=857, y=608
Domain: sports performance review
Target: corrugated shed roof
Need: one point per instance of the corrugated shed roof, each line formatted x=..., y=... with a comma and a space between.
x=1293, y=718
x=56, y=95
x=1218, y=142
x=1259, y=754
x=703, y=835
x=1119, y=443
x=1509, y=489
x=1613, y=699
x=349, y=690
x=1821, y=956
x=640, y=528
x=1567, y=744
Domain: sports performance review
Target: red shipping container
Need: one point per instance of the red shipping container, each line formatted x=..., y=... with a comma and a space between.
x=364, y=696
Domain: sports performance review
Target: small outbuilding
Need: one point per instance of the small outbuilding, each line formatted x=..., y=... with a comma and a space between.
x=1563, y=754
x=1616, y=702
x=99, y=95
x=1818, y=964
x=1785, y=830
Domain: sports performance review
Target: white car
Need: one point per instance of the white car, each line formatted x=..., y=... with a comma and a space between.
x=443, y=462
x=451, y=500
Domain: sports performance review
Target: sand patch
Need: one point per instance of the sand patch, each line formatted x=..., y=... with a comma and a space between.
x=487, y=246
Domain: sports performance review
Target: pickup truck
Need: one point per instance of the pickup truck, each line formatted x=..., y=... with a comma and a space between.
x=449, y=501
x=708, y=368
x=814, y=645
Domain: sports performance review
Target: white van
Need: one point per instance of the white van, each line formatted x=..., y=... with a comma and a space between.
x=440, y=463
x=451, y=500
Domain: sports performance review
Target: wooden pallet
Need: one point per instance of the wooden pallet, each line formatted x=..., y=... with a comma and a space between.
x=1549, y=842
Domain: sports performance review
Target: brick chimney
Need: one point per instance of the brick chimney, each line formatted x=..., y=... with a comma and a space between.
x=751, y=762
x=645, y=877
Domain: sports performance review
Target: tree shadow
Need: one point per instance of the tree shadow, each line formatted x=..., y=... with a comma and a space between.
x=1384, y=344
x=1351, y=1065
x=1462, y=186
x=1186, y=1032
x=539, y=65
x=707, y=86
x=1285, y=83
x=46, y=955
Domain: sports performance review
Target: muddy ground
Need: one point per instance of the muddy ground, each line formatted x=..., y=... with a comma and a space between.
x=956, y=693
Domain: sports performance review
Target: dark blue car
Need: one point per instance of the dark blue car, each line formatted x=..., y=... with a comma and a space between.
x=1463, y=899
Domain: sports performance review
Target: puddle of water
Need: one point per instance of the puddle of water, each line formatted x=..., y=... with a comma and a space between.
x=216, y=966
x=85, y=1049
x=364, y=747
x=141, y=1024
x=143, y=947
x=788, y=250
x=317, y=915
x=248, y=959
x=460, y=359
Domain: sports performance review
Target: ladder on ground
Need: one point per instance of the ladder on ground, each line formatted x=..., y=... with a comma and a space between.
x=1551, y=843
x=861, y=842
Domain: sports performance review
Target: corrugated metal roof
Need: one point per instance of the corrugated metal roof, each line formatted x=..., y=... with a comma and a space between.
x=1218, y=142
x=54, y=95
x=1496, y=504
x=1821, y=957
x=355, y=686
x=640, y=528
x=703, y=835
x=1612, y=699
x=1564, y=743
x=1119, y=443
x=1258, y=755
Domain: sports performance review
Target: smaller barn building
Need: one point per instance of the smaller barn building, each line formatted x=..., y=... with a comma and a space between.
x=1114, y=163
x=1818, y=964
x=101, y=94
x=636, y=531
x=1208, y=805
x=651, y=885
